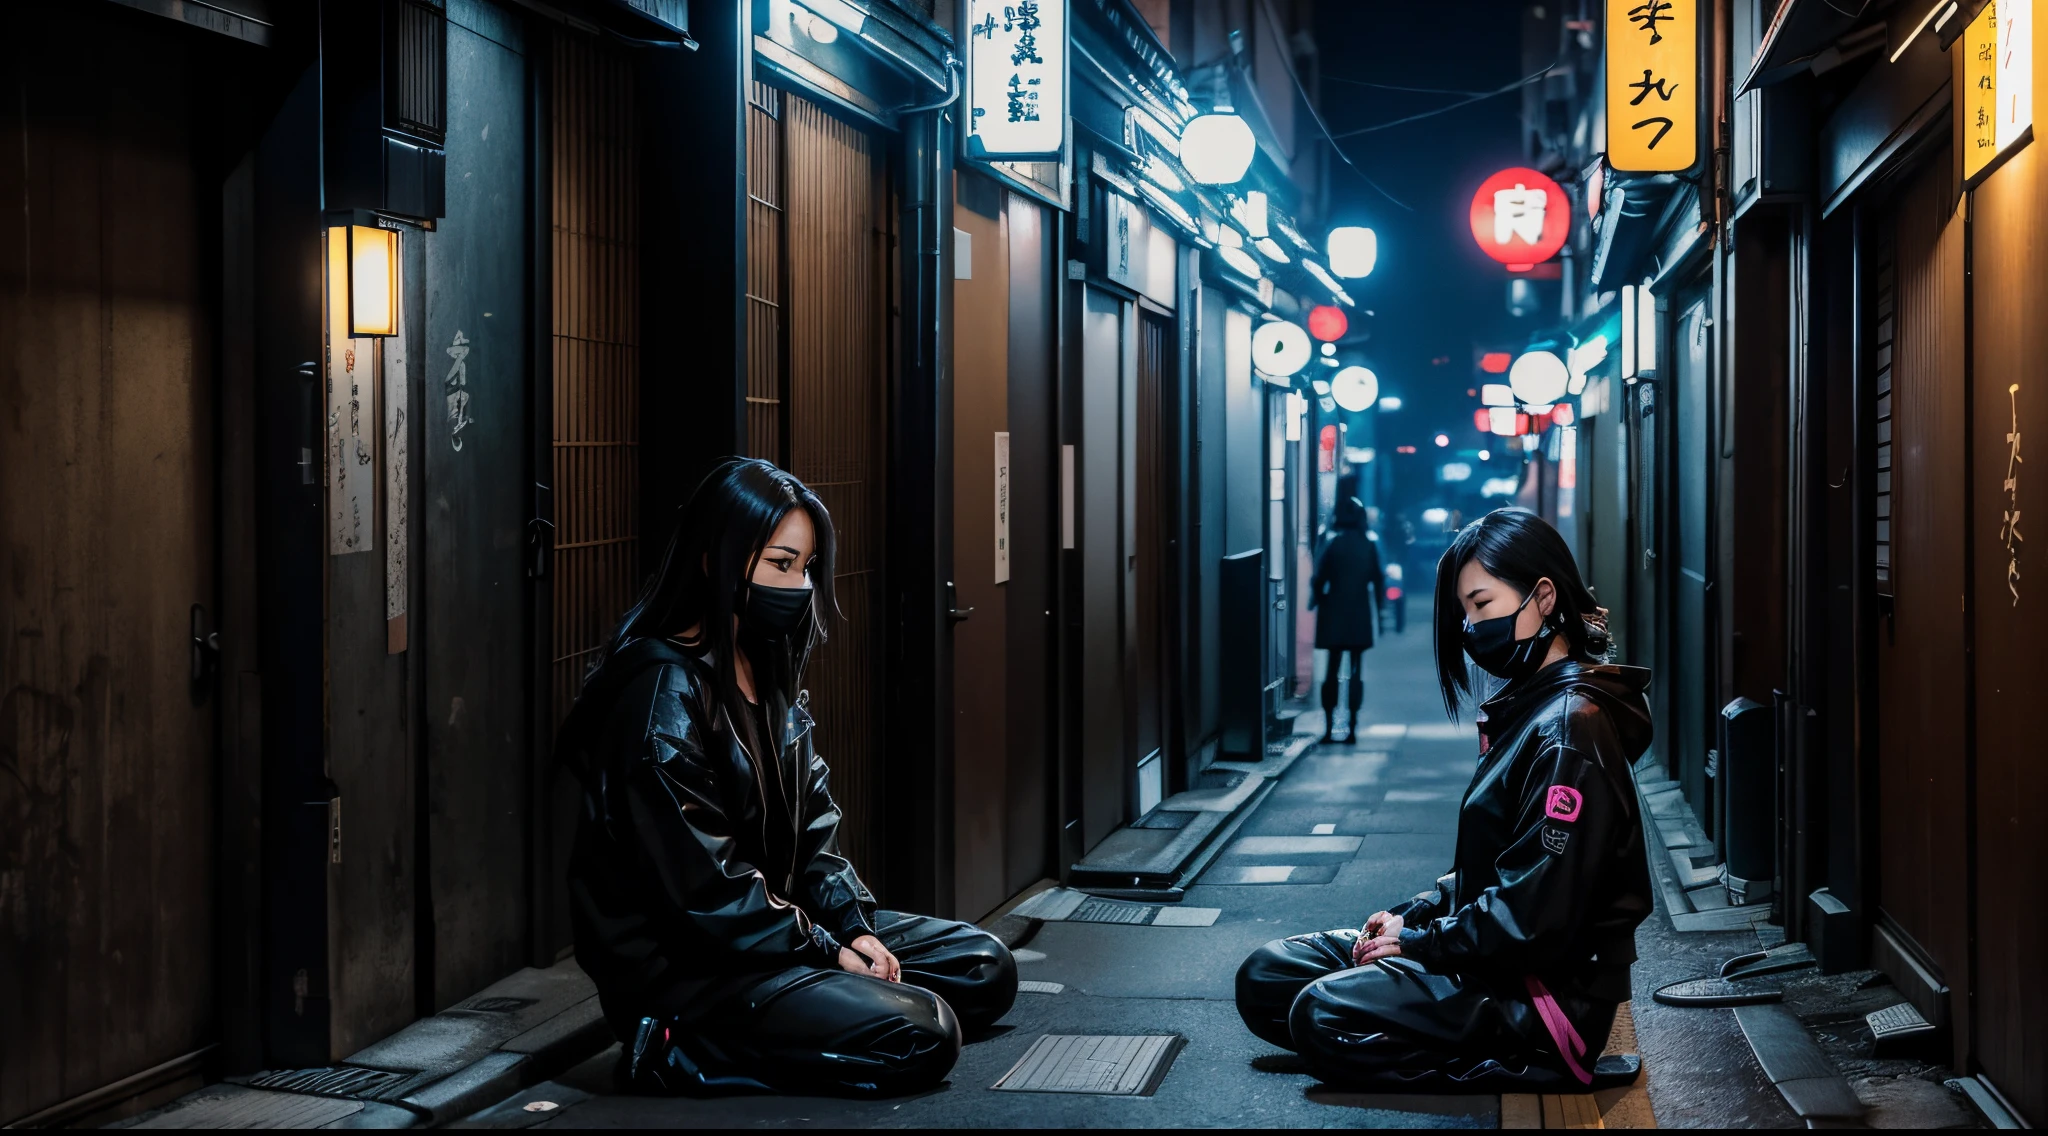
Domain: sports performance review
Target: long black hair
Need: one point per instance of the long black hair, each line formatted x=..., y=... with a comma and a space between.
x=1520, y=548
x=708, y=566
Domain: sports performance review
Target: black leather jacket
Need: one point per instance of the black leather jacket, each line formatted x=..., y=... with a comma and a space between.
x=1551, y=876
x=672, y=885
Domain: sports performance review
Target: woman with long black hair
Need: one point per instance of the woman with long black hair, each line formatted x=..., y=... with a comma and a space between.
x=1508, y=971
x=733, y=948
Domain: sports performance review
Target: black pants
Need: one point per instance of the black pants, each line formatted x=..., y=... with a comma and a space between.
x=1392, y=1024
x=812, y=1031
x=1356, y=691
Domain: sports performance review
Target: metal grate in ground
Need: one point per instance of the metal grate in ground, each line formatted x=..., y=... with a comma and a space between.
x=352, y=1081
x=1129, y=1065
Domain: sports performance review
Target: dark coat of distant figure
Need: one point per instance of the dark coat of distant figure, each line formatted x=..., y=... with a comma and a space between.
x=1346, y=578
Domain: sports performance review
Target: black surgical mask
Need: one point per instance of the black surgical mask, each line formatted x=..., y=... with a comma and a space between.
x=1493, y=646
x=776, y=615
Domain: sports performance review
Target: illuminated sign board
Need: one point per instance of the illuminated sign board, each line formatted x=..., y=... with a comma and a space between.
x=1653, y=85
x=1997, y=64
x=1017, y=79
x=1520, y=218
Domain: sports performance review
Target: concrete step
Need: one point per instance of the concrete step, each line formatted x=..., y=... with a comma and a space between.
x=518, y=1031
x=1146, y=857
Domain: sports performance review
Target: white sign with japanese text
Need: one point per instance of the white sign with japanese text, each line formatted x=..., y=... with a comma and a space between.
x=1002, y=506
x=1016, y=78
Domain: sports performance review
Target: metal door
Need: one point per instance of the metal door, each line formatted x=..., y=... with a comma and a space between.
x=1147, y=556
x=1691, y=652
x=1105, y=757
x=981, y=441
x=1914, y=334
x=476, y=491
x=107, y=452
x=1029, y=848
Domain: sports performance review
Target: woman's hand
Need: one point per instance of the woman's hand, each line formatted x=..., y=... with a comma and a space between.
x=884, y=965
x=1379, y=938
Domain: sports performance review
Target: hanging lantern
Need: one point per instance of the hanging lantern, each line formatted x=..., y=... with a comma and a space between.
x=1217, y=148
x=1355, y=388
x=1539, y=378
x=1354, y=250
x=1327, y=322
x=1520, y=218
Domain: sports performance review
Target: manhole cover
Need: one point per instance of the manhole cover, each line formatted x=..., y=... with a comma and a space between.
x=352, y=1081
x=1110, y=1065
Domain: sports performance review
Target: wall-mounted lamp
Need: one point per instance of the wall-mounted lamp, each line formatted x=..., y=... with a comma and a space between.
x=363, y=272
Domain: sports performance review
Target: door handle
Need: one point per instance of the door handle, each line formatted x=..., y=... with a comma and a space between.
x=205, y=653
x=954, y=611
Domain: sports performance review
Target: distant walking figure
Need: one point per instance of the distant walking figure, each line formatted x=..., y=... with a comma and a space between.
x=1341, y=593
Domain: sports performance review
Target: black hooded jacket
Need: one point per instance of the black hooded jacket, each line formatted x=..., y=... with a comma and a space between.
x=1551, y=876
x=693, y=862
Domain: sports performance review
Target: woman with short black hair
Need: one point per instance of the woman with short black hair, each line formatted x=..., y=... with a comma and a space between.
x=1507, y=973
x=733, y=948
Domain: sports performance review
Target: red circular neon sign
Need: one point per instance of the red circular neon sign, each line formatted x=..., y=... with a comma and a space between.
x=1327, y=322
x=1520, y=218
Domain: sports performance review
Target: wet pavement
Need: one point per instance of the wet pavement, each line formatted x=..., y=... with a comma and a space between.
x=1348, y=830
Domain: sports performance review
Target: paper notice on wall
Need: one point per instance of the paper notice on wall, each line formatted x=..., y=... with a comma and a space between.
x=395, y=504
x=1002, y=506
x=351, y=417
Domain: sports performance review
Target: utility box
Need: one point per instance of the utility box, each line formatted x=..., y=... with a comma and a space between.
x=1242, y=628
x=384, y=106
x=1747, y=784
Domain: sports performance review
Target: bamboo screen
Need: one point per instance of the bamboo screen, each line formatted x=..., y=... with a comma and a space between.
x=818, y=255
x=596, y=341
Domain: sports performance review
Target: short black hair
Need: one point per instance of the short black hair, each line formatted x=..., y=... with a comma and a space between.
x=1520, y=548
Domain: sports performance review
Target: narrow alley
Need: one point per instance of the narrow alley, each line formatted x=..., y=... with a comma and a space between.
x=758, y=563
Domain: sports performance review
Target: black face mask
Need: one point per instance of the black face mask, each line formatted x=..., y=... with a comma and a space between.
x=1493, y=646
x=775, y=633
x=776, y=615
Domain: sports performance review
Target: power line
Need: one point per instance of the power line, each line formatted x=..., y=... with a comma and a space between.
x=1480, y=97
x=1317, y=115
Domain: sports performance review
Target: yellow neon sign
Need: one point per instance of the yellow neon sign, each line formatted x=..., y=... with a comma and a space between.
x=1653, y=73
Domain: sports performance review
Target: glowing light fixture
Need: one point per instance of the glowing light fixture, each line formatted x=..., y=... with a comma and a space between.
x=1328, y=349
x=1562, y=415
x=1322, y=386
x=1538, y=377
x=1499, y=487
x=1495, y=362
x=1496, y=394
x=1328, y=322
x=1217, y=148
x=817, y=27
x=1501, y=421
x=1436, y=516
x=1485, y=455
x=1280, y=348
x=839, y=12
x=1457, y=471
x=1354, y=251
x=1230, y=246
x=1581, y=360
x=1272, y=251
x=1251, y=212
x=1443, y=440
x=1355, y=388
x=363, y=273
x=1389, y=403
